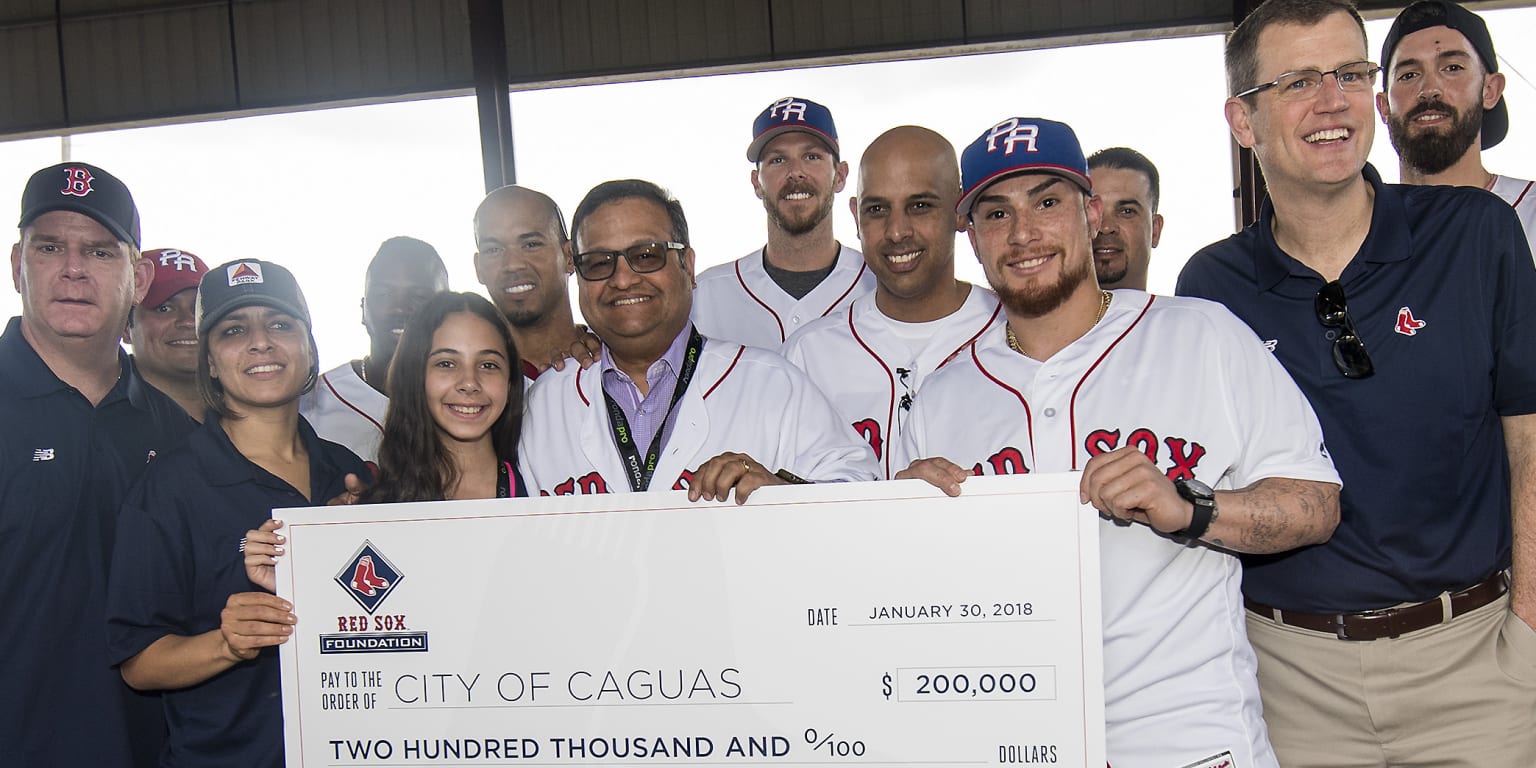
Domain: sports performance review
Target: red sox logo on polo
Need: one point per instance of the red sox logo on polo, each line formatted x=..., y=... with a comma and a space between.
x=787, y=108
x=369, y=577
x=179, y=260
x=1012, y=133
x=1407, y=324
x=244, y=272
x=77, y=182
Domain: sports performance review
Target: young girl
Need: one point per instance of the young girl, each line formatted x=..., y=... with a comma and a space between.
x=455, y=407
x=183, y=615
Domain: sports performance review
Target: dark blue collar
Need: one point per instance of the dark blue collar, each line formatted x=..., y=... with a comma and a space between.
x=1388, y=240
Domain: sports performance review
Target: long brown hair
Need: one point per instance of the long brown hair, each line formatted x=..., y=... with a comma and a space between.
x=413, y=464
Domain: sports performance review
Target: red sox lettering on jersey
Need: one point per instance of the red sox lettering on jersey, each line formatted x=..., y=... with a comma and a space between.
x=77, y=181
x=1012, y=133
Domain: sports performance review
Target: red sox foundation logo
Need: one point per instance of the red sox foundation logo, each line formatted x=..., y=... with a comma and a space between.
x=368, y=577
x=77, y=181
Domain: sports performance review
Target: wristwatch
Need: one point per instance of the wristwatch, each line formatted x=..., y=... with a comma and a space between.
x=1204, y=500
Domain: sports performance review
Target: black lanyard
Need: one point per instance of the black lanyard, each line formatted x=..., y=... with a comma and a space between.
x=624, y=437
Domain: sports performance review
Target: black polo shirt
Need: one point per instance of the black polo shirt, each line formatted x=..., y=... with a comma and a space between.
x=1443, y=293
x=176, y=564
x=64, y=468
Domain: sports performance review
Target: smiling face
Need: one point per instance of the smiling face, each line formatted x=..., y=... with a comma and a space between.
x=76, y=279
x=1434, y=98
x=797, y=179
x=468, y=378
x=519, y=258
x=908, y=186
x=164, y=337
x=261, y=357
x=1033, y=235
x=629, y=311
x=1321, y=140
x=1129, y=230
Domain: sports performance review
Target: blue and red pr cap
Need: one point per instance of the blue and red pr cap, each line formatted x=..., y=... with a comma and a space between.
x=792, y=114
x=85, y=189
x=1020, y=145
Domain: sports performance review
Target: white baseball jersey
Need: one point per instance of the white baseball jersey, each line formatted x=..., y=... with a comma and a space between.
x=741, y=399
x=344, y=409
x=1520, y=194
x=1188, y=383
x=870, y=371
x=739, y=302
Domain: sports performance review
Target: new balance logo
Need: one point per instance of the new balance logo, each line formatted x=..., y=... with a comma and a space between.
x=1270, y=344
x=42, y=454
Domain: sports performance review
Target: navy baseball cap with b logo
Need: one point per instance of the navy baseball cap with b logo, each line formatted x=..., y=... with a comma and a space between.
x=1439, y=13
x=792, y=114
x=84, y=189
x=1020, y=145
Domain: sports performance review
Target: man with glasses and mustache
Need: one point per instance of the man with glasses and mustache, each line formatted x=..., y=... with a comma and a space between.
x=803, y=272
x=1442, y=99
x=668, y=407
x=1405, y=313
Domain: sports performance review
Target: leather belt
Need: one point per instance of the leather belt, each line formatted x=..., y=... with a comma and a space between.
x=1391, y=622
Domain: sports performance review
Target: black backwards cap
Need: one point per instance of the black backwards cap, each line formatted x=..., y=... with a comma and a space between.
x=1439, y=13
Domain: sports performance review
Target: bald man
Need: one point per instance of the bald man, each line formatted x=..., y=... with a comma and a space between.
x=520, y=238
x=871, y=358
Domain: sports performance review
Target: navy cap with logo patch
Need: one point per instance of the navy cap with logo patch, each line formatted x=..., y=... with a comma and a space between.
x=85, y=189
x=792, y=114
x=1439, y=13
x=245, y=283
x=1020, y=145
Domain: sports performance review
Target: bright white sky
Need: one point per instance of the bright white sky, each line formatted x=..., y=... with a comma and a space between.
x=318, y=191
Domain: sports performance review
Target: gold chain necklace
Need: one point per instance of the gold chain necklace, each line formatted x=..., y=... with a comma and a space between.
x=1104, y=298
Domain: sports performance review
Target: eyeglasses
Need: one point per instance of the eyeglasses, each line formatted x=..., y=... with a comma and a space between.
x=642, y=258
x=1349, y=354
x=1303, y=83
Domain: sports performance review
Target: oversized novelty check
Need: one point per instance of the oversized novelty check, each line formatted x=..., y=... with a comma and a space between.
x=841, y=624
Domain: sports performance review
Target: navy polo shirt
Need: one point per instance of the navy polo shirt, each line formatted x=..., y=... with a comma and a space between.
x=176, y=564
x=64, y=468
x=1443, y=294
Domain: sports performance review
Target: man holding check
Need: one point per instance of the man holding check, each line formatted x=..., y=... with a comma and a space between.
x=1157, y=400
x=666, y=403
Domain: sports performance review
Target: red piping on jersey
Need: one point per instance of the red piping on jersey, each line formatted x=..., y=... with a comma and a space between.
x=326, y=379
x=890, y=413
x=1523, y=193
x=760, y=302
x=997, y=310
x=579, y=393
x=731, y=367
x=1072, y=407
x=862, y=266
x=1029, y=418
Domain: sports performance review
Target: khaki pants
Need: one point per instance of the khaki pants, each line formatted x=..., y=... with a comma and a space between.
x=1459, y=694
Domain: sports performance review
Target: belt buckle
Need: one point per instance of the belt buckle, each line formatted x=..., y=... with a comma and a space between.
x=1339, y=629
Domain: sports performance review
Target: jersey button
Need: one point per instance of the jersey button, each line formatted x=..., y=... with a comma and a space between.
x=1050, y=412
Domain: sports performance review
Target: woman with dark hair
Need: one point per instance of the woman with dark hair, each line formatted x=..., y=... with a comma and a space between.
x=455, y=406
x=183, y=614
